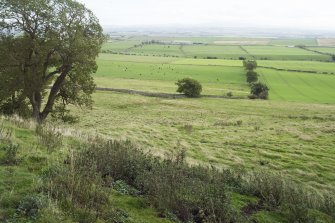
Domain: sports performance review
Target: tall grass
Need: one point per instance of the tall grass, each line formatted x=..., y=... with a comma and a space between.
x=192, y=193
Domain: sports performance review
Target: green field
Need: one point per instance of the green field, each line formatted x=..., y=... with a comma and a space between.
x=329, y=50
x=158, y=74
x=283, y=53
x=294, y=42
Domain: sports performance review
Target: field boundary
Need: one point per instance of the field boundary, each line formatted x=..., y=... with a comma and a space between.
x=160, y=94
x=300, y=71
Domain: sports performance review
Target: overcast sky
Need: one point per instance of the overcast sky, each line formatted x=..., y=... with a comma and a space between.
x=307, y=14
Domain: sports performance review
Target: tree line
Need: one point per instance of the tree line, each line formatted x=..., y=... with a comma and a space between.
x=257, y=89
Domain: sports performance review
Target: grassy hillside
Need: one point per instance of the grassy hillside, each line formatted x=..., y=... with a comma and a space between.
x=53, y=174
x=292, y=138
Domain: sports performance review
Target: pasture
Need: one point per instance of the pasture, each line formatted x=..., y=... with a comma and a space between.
x=158, y=74
x=294, y=139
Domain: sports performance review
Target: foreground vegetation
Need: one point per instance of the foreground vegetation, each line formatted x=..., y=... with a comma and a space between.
x=84, y=178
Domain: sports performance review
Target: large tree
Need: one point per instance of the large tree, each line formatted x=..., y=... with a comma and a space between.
x=47, y=53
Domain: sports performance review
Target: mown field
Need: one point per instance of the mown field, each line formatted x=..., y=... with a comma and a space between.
x=159, y=74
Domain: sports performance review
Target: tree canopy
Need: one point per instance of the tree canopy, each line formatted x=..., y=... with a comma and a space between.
x=47, y=54
x=190, y=87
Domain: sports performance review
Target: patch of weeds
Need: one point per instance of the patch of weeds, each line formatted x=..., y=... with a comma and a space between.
x=10, y=156
x=263, y=162
x=5, y=133
x=188, y=128
x=229, y=94
x=229, y=123
x=49, y=137
x=124, y=189
x=31, y=204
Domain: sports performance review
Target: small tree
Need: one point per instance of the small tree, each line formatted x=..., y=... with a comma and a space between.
x=259, y=90
x=252, y=76
x=250, y=64
x=190, y=87
x=333, y=58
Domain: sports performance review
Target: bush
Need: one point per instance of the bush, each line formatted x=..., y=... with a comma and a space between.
x=10, y=154
x=249, y=64
x=31, y=204
x=191, y=193
x=252, y=76
x=190, y=87
x=259, y=90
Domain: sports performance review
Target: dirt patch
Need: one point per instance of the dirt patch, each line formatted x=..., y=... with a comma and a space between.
x=326, y=41
x=242, y=42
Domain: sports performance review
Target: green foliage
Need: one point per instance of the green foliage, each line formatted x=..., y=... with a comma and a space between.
x=14, y=105
x=123, y=188
x=170, y=185
x=259, y=90
x=250, y=64
x=190, y=87
x=229, y=94
x=252, y=76
x=57, y=49
x=31, y=204
x=60, y=113
x=333, y=57
x=9, y=157
x=78, y=188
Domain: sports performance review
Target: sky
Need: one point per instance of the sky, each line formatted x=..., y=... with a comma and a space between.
x=303, y=14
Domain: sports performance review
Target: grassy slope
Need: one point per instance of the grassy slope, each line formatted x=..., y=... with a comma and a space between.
x=295, y=139
x=22, y=179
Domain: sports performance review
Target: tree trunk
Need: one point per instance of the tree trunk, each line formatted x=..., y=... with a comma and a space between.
x=36, y=100
x=53, y=93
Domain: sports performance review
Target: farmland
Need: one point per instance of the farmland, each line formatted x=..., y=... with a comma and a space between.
x=297, y=119
x=158, y=74
x=285, y=142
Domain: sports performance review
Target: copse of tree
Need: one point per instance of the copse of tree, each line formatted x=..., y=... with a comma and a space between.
x=252, y=76
x=250, y=64
x=259, y=90
x=190, y=87
x=48, y=43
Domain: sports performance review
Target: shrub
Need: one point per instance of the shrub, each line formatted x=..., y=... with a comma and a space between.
x=190, y=87
x=249, y=64
x=252, y=76
x=259, y=90
x=10, y=154
x=31, y=204
x=230, y=94
x=170, y=185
